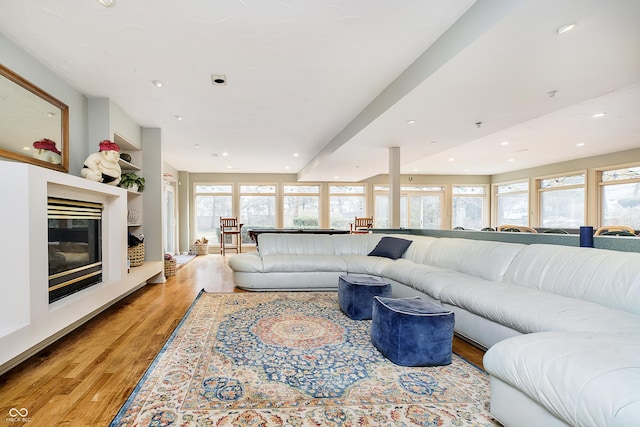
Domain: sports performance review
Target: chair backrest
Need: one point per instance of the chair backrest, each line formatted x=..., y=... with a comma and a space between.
x=228, y=224
x=516, y=228
x=555, y=231
x=615, y=230
x=360, y=223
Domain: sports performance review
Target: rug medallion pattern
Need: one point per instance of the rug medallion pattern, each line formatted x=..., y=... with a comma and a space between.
x=294, y=359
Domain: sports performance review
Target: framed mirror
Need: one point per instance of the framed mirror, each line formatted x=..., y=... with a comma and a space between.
x=34, y=126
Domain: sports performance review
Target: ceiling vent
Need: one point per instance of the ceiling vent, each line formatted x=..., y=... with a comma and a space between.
x=218, y=79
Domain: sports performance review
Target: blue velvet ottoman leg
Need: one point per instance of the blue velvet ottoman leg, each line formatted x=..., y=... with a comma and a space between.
x=412, y=331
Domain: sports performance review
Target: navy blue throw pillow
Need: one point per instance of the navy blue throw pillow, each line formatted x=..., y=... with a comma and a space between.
x=390, y=247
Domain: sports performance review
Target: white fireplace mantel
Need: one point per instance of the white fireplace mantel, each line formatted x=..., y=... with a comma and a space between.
x=27, y=321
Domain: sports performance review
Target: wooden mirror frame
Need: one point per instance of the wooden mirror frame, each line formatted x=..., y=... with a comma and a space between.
x=64, y=124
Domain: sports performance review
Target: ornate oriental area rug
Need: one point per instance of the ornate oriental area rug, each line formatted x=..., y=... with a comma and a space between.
x=294, y=359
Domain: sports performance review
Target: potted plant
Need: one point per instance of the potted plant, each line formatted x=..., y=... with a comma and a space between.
x=131, y=181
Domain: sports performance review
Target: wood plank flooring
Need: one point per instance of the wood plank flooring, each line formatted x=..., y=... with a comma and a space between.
x=84, y=378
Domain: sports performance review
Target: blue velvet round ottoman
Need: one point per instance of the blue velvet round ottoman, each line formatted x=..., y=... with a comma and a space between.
x=412, y=331
x=355, y=294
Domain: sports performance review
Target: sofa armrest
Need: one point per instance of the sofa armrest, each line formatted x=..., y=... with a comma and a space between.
x=249, y=262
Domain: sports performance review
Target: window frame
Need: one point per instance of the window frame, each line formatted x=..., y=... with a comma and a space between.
x=318, y=195
x=486, y=197
x=406, y=192
x=602, y=184
x=362, y=195
x=496, y=195
x=540, y=192
x=240, y=194
x=196, y=193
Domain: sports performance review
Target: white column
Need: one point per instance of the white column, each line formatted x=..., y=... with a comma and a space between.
x=394, y=187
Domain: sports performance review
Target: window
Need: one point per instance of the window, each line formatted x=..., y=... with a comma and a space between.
x=620, y=197
x=513, y=203
x=420, y=206
x=562, y=201
x=345, y=203
x=257, y=208
x=469, y=206
x=211, y=202
x=301, y=206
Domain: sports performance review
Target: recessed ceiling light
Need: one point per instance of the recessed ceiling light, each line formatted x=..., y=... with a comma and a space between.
x=286, y=167
x=196, y=146
x=451, y=159
x=504, y=143
x=106, y=3
x=466, y=170
x=336, y=177
x=178, y=118
x=225, y=154
x=416, y=170
x=26, y=148
x=565, y=28
x=157, y=83
x=295, y=154
x=218, y=79
x=410, y=122
x=51, y=114
x=580, y=144
x=598, y=115
x=512, y=160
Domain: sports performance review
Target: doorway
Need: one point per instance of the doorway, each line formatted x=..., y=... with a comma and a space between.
x=169, y=215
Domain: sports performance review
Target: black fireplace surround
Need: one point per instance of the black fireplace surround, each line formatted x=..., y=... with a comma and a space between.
x=75, y=246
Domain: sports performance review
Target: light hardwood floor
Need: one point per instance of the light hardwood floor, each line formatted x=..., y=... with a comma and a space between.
x=84, y=378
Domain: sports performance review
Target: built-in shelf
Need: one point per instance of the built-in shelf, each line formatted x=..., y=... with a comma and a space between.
x=134, y=225
x=126, y=166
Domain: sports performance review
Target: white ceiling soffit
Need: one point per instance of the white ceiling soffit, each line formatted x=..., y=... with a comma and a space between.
x=533, y=92
x=323, y=89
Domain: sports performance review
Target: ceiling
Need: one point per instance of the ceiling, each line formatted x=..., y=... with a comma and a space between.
x=324, y=88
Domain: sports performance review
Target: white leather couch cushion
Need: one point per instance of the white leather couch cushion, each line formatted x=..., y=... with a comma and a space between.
x=303, y=263
x=585, y=379
x=530, y=310
x=486, y=259
x=248, y=262
x=363, y=264
x=296, y=244
x=417, y=251
x=355, y=244
x=415, y=275
x=610, y=278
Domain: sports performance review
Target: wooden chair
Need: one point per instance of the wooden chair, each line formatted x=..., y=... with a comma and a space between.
x=555, y=231
x=230, y=227
x=361, y=225
x=615, y=230
x=516, y=228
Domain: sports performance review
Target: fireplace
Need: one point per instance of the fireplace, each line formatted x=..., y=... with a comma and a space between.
x=75, y=246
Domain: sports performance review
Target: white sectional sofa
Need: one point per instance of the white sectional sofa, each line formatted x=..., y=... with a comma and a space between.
x=561, y=324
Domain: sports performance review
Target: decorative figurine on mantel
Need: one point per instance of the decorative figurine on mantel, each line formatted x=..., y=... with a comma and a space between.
x=46, y=150
x=103, y=166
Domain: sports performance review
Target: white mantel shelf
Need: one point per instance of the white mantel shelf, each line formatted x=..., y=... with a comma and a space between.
x=28, y=322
